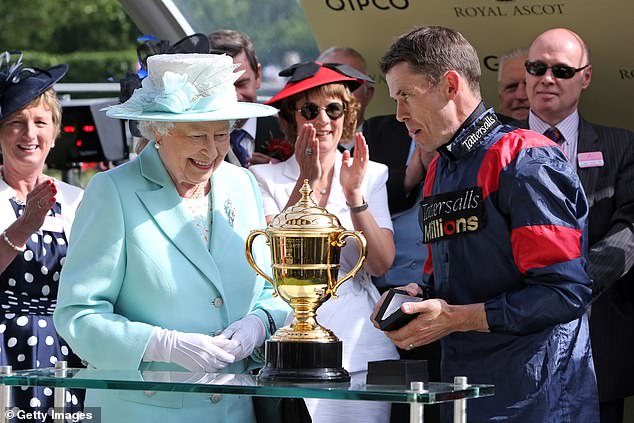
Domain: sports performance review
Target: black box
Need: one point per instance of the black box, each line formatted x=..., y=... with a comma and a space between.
x=397, y=372
x=390, y=317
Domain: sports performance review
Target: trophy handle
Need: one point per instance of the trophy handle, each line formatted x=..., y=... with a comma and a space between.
x=340, y=243
x=248, y=251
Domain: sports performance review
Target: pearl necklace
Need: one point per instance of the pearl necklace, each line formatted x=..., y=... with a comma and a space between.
x=322, y=191
x=199, y=192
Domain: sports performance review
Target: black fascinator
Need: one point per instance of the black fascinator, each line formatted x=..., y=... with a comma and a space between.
x=195, y=43
x=19, y=85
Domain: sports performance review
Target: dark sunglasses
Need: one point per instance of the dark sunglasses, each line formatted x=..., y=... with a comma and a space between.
x=559, y=71
x=311, y=110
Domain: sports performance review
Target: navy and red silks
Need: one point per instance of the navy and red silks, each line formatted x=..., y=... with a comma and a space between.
x=504, y=216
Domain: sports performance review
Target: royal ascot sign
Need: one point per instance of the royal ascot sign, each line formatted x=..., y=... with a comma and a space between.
x=493, y=27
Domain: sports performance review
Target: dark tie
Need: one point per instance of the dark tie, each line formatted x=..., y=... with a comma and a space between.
x=554, y=134
x=237, y=136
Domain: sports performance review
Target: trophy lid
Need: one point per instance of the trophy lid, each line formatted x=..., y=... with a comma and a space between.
x=305, y=216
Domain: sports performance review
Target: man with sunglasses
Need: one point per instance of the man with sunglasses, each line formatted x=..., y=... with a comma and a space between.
x=503, y=216
x=558, y=70
x=254, y=140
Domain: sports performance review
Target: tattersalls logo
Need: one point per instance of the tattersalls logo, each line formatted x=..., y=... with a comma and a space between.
x=451, y=214
x=475, y=133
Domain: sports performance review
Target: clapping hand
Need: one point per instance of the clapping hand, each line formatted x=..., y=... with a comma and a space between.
x=307, y=153
x=353, y=168
x=38, y=203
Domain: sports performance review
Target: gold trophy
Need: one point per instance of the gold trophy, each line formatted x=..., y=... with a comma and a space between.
x=305, y=242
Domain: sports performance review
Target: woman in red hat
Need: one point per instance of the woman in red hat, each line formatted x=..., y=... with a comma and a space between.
x=36, y=213
x=317, y=109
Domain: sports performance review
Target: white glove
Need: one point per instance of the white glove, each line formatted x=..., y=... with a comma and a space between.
x=249, y=332
x=194, y=351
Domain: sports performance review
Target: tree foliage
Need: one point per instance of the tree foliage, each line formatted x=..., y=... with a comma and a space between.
x=98, y=39
x=276, y=27
x=95, y=37
x=59, y=27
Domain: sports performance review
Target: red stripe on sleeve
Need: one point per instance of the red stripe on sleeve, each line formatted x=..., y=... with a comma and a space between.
x=503, y=152
x=430, y=175
x=428, y=267
x=539, y=246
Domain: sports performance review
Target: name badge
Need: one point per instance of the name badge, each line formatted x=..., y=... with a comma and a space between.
x=590, y=159
x=452, y=214
x=53, y=224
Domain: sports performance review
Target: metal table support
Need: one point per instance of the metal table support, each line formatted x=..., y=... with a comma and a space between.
x=416, y=411
x=59, y=395
x=5, y=394
x=460, y=406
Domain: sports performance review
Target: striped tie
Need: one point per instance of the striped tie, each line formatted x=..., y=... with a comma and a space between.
x=554, y=134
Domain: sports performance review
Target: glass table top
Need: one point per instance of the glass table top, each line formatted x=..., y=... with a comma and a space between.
x=238, y=384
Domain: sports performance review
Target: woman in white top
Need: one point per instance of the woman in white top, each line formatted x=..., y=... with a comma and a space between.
x=317, y=109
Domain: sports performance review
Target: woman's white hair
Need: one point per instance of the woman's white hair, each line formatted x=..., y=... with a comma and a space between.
x=147, y=128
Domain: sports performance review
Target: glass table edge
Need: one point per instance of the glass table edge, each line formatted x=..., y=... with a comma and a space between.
x=432, y=394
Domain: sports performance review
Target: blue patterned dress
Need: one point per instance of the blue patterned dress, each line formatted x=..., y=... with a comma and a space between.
x=28, y=294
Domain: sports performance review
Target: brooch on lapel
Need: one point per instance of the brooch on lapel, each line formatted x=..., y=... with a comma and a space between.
x=230, y=211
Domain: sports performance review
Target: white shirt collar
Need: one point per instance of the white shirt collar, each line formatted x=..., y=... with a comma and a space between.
x=250, y=127
x=568, y=126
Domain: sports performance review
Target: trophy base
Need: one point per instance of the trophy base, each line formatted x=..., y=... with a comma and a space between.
x=307, y=362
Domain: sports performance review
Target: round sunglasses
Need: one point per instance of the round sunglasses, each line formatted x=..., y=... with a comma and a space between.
x=559, y=71
x=310, y=110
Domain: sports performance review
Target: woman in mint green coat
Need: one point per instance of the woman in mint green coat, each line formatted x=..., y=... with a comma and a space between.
x=156, y=276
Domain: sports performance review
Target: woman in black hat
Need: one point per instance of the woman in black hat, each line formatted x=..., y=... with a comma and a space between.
x=36, y=213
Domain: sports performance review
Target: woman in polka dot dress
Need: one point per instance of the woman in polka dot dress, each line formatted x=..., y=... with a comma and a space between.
x=36, y=213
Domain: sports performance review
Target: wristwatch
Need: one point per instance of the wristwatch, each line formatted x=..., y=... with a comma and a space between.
x=358, y=209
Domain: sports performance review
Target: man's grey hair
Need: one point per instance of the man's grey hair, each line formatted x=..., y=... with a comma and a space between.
x=512, y=54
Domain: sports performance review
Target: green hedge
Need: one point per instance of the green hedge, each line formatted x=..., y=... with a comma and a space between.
x=87, y=66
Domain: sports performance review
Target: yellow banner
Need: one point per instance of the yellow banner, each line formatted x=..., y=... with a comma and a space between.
x=493, y=27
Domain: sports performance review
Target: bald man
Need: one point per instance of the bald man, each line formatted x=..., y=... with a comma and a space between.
x=557, y=72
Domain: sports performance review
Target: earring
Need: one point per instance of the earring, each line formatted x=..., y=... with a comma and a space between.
x=156, y=145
